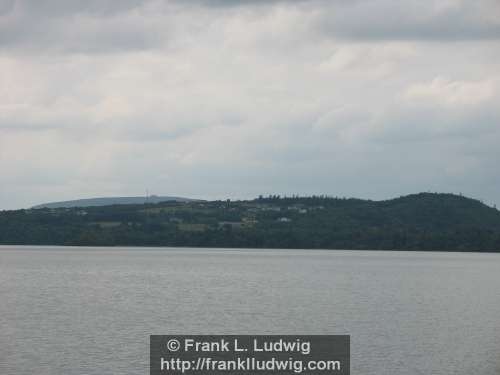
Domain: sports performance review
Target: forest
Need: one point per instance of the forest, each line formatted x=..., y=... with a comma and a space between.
x=424, y=221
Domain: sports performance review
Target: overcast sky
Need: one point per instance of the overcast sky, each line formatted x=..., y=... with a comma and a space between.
x=224, y=98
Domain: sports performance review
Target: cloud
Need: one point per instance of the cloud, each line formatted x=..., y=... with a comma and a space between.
x=442, y=20
x=214, y=99
x=79, y=27
x=28, y=26
x=452, y=93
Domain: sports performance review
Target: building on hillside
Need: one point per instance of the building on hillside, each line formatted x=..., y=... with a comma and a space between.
x=284, y=220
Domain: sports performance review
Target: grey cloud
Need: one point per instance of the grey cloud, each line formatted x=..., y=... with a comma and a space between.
x=55, y=8
x=238, y=3
x=109, y=26
x=392, y=19
x=54, y=26
x=26, y=127
x=419, y=125
x=413, y=20
x=214, y=98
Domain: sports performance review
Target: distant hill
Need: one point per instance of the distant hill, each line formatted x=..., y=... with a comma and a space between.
x=95, y=202
x=425, y=221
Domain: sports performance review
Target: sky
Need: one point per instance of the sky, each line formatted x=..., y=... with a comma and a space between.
x=231, y=99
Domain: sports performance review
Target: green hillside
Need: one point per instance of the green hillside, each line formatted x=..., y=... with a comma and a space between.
x=422, y=221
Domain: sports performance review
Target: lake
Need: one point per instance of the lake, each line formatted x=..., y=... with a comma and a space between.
x=91, y=310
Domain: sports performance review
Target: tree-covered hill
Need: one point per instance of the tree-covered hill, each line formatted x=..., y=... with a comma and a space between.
x=424, y=221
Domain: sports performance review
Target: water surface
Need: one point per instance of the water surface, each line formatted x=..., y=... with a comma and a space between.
x=91, y=310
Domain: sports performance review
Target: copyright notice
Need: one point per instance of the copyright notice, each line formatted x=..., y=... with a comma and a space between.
x=247, y=354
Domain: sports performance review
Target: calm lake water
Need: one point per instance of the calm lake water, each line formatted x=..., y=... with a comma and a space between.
x=91, y=310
